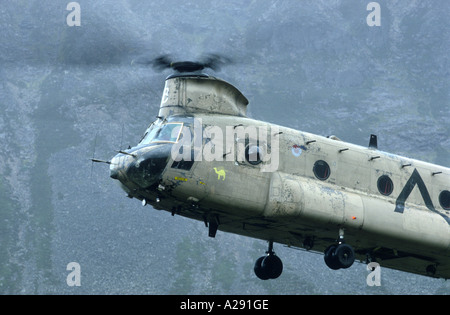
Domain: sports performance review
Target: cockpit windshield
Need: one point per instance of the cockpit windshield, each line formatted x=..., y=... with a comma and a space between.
x=162, y=133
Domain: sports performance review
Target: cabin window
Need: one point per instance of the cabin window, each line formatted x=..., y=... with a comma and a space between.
x=444, y=199
x=322, y=170
x=183, y=165
x=253, y=154
x=385, y=185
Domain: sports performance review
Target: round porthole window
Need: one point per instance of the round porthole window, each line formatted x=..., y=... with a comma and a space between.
x=321, y=169
x=385, y=185
x=444, y=199
x=253, y=154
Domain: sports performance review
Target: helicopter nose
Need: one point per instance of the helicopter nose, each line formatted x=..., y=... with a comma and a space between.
x=118, y=166
x=143, y=167
x=114, y=172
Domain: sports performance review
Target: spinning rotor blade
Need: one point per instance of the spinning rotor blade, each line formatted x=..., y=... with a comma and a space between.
x=212, y=61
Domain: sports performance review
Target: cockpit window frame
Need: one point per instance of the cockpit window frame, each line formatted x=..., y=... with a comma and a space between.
x=160, y=127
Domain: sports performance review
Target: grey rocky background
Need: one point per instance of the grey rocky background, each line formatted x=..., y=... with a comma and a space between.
x=311, y=65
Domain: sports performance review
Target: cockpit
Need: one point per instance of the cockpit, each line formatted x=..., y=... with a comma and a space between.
x=162, y=133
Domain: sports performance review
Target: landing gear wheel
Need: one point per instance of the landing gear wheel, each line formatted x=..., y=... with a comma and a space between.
x=260, y=272
x=344, y=256
x=270, y=266
x=339, y=256
x=330, y=261
x=273, y=266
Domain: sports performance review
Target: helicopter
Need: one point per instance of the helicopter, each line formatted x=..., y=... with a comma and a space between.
x=204, y=159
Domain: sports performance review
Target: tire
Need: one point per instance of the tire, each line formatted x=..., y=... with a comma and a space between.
x=273, y=266
x=344, y=256
x=260, y=272
x=330, y=259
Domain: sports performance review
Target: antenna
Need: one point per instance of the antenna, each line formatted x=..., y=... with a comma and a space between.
x=93, y=159
x=93, y=153
x=373, y=143
x=121, y=137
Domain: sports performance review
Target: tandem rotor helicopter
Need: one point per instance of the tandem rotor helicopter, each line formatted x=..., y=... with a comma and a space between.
x=204, y=159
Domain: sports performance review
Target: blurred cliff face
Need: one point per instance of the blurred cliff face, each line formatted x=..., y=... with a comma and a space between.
x=69, y=92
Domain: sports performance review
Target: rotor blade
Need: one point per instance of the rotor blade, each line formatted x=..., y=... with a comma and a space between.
x=215, y=61
x=162, y=62
x=159, y=63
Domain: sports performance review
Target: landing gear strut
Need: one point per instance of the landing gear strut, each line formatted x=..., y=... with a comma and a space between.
x=340, y=255
x=269, y=266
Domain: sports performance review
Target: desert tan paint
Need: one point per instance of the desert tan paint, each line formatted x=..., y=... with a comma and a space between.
x=291, y=204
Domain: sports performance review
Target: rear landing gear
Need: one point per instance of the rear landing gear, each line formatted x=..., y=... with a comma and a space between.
x=269, y=266
x=340, y=255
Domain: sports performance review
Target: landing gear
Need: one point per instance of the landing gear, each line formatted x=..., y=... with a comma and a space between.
x=340, y=255
x=269, y=266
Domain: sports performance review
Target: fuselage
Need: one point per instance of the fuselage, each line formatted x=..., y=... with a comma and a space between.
x=291, y=187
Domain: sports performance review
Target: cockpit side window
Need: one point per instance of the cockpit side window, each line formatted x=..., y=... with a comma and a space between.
x=165, y=133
